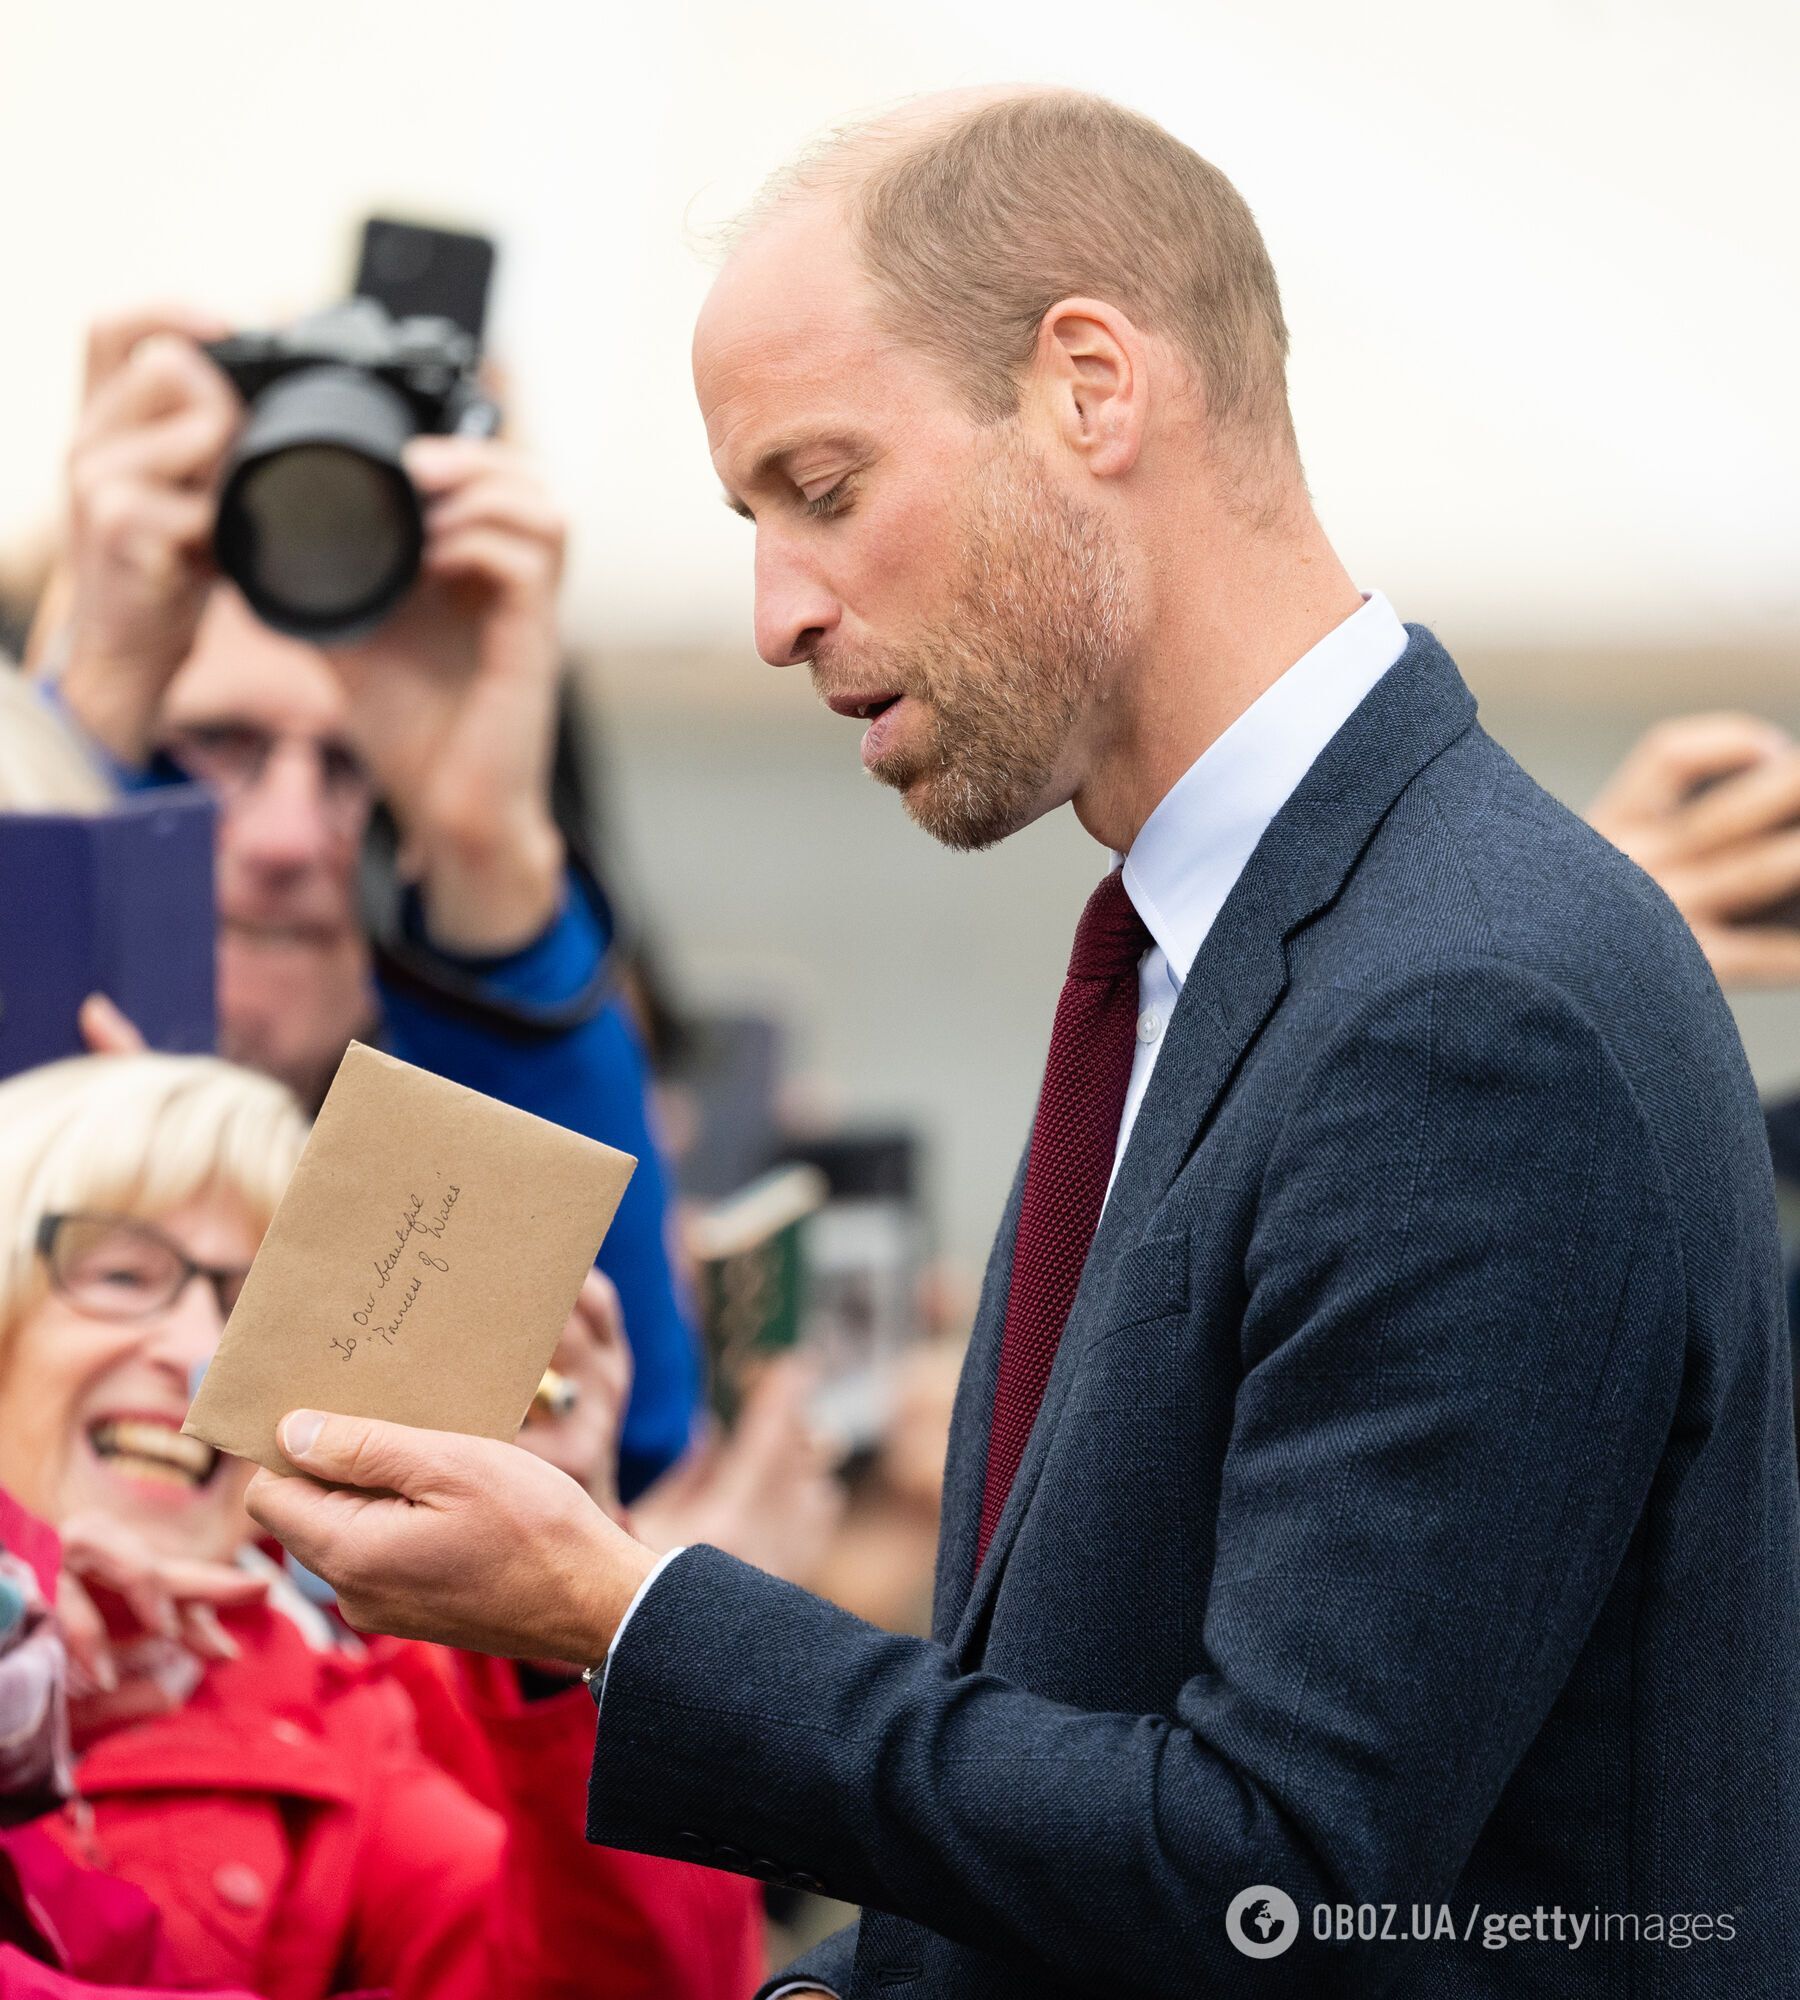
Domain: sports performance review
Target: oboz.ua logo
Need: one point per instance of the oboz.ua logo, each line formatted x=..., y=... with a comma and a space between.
x=1262, y=1921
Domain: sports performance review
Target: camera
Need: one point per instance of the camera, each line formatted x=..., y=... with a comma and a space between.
x=318, y=524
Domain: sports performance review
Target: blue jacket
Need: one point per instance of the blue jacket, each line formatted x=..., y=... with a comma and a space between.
x=1410, y=1530
x=590, y=1077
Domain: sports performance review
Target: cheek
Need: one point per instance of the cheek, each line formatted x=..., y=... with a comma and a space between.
x=903, y=560
x=53, y=1363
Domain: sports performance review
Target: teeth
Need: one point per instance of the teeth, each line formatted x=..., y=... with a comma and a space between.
x=158, y=1446
x=863, y=712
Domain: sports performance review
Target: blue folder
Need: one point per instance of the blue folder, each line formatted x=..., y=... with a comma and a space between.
x=118, y=902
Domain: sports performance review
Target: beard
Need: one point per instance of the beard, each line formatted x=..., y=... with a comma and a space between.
x=1038, y=617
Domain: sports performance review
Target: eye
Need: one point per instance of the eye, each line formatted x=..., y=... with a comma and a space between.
x=830, y=503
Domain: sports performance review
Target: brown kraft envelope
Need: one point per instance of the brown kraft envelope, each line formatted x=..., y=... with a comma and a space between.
x=419, y=1267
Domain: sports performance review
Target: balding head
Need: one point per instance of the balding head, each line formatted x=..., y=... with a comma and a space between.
x=973, y=212
x=999, y=379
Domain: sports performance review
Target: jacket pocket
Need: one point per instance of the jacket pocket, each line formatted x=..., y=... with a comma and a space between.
x=1149, y=1282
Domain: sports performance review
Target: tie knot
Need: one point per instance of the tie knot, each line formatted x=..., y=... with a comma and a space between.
x=1111, y=937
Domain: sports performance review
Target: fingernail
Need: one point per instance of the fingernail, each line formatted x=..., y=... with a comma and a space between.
x=105, y=1673
x=300, y=1432
x=425, y=454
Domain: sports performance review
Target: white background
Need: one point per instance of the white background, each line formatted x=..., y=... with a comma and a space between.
x=1539, y=260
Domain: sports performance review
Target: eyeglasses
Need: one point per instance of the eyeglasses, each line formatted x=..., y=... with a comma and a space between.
x=115, y=1267
x=232, y=759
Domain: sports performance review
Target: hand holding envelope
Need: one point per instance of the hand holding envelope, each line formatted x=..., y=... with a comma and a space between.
x=404, y=1302
x=434, y=1535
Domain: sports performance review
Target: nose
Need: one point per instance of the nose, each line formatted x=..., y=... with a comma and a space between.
x=795, y=607
x=186, y=1332
x=279, y=824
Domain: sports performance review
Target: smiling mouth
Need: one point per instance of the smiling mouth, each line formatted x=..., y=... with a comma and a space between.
x=146, y=1448
x=251, y=932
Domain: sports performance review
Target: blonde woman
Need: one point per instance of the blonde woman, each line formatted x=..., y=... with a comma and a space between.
x=256, y=1769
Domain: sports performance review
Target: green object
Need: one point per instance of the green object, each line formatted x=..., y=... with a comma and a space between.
x=751, y=1251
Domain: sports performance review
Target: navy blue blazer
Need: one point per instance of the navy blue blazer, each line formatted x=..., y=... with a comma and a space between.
x=1411, y=1523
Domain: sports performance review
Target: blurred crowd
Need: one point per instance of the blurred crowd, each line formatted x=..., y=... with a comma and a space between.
x=208, y=1780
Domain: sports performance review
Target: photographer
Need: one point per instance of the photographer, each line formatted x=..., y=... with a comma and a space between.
x=494, y=970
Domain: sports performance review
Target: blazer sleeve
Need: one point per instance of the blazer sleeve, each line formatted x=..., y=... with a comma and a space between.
x=826, y=1966
x=1462, y=1343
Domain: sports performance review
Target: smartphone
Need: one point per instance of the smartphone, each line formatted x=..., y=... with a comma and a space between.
x=408, y=268
x=117, y=902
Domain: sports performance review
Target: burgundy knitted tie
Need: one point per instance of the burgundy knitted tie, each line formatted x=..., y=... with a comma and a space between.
x=1072, y=1146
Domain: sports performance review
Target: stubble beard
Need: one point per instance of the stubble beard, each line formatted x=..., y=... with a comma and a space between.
x=1039, y=617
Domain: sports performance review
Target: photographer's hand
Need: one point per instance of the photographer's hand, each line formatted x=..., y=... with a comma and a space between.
x=156, y=422
x=1709, y=805
x=453, y=700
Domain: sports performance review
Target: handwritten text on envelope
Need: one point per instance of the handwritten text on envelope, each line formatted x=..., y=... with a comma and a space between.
x=419, y=1267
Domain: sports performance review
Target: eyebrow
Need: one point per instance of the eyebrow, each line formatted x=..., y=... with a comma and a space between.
x=784, y=448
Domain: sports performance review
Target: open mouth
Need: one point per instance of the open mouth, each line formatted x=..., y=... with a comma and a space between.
x=863, y=706
x=153, y=1448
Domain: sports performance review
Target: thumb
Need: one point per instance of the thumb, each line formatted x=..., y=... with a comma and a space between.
x=106, y=1030
x=359, y=1451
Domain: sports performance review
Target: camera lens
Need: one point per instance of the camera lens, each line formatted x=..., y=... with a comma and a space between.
x=318, y=524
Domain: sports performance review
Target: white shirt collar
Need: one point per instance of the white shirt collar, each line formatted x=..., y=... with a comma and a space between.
x=1193, y=847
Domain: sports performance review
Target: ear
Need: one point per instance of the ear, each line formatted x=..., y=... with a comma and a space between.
x=1091, y=365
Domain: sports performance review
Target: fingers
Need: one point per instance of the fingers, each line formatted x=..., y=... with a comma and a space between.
x=1752, y=956
x=165, y=378
x=488, y=516
x=202, y=1633
x=1744, y=881
x=193, y=1582
x=171, y=1596
x=84, y=1634
x=439, y=465
x=305, y=1517
x=182, y=448
x=111, y=342
x=774, y=1413
x=1761, y=799
x=1667, y=762
x=106, y=1031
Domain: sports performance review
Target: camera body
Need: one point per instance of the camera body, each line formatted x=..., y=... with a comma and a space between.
x=318, y=524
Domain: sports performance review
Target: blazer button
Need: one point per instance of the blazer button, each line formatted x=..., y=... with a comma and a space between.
x=694, y=1845
x=239, y=1886
x=730, y=1857
x=808, y=1885
x=764, y=1870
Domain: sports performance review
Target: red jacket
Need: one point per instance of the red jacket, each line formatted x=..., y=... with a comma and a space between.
x=299, y=1826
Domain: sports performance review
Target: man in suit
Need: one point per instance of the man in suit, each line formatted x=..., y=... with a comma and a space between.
x=1370, y=1536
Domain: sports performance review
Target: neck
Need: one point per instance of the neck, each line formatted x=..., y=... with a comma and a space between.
x=1268, y=595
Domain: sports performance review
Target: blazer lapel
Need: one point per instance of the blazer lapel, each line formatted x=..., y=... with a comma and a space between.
x=965, y=1464
x=1416, y=710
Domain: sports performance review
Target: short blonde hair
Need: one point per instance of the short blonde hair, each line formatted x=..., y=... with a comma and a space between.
x=42, y=767
x=972, y=223
x=133, y=1135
